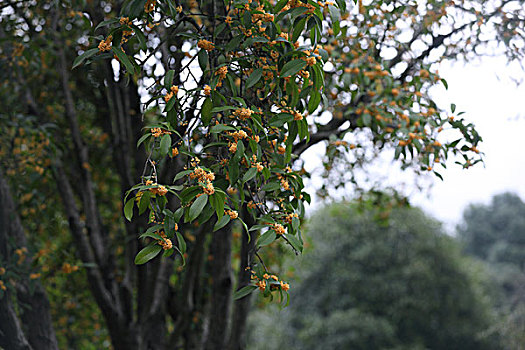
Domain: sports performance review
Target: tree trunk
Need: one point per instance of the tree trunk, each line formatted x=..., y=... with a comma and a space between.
x=222, y=285
x=34, y=306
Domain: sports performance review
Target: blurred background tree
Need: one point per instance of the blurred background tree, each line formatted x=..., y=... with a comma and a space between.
x=495, y=234
x=368, y=284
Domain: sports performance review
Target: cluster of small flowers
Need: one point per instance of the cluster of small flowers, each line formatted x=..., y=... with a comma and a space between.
x=207, y=90
x=165, y=242
x=290, y=217
x=256, y=164
x=149, y=6
x=205, y=44
x=221, y=72
x=67, y=268
x=173, y=92
x=266, y=277
x=340, y=143
x=284, y=183
x=125, y=37
x=238, y=135
x=105, y=45
x=159, y=189
x=205, y=178
x=2, y=285
x=21, y=252
x=279, y=229
x=243, y=113
x=311, y=61
x=232, y=214
x=157, y=132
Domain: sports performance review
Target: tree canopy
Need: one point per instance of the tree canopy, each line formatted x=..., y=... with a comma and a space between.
x=222, y=99
x=400, y=284
x=495, y=234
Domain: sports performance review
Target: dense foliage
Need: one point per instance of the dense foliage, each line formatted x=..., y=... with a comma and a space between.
x=168, y=75
x=400, y=284
x=495, y=234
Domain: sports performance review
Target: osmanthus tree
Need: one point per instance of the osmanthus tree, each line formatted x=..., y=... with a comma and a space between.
x=222, y=99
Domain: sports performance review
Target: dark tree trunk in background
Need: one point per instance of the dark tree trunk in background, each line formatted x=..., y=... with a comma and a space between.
x=222, y=285
x=34, y=329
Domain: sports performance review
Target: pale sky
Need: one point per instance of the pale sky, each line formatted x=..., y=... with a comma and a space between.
x=497, y=108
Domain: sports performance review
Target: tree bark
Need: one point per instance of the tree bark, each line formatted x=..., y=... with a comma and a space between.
x=241, y=307
x=222, y=285
x=35, y=310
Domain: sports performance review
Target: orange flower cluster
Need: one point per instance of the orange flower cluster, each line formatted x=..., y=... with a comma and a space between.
x=232, y=214
x=205, y=44
x=243, y=113
x=159, y=189
x=165, y=242
x=279, y=229
x=67, y=268
x=290, y=217
x=238, y=135
x=157, y=132
x=149, y=6
x=205, y=179
x=173, y=92
x=105, y=45
x=261, y=283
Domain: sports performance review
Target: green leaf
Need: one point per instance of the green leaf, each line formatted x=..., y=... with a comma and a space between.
x=87, y=54
x=313, y=103
x=203, y=59
x=128, y=209
x=234, y=43
x=222, y=109
x=147, y=253
x=221, y=223
x=250, y=174
x=272, y=186
x=143, y=138
x=220, y=128
x=170, y=104
x=279, y=6
x=292, y=68
x=181, y=242
x=206, y=111
x=144, y=202
x=197, y=206
x=140, y=37
x=182, y=174
x=280, y=119
x=266, y=238
x=189, y=193
x=217, y=202
x=298, y=29
x=168, y=78
x=107, y=22
x=254, y=78
x=165, y=144
x=244, y=291
x=445, y=83
x=295, y=242
x=233, y=171
x=123, y=58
